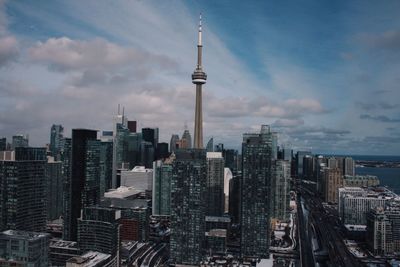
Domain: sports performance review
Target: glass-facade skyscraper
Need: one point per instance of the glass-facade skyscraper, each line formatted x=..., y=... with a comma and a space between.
x=23, y=190
x=255, y=193
x=188, y=185
x=83, y=185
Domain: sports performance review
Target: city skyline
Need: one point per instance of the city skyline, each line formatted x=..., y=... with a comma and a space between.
x=325, y=78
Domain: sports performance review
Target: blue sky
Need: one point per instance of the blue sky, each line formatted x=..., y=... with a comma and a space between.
x=324, y=74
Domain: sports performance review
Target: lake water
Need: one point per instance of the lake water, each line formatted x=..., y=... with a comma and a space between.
x=389, y=177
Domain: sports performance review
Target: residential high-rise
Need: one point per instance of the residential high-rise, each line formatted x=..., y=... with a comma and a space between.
x=20, y=140
x=215, y=198
x=333, y=179
x=348, y=166
x=23, y=248
x=360, y=181
x=199, y=78
x=54, y=180
x=356, y=202
x=23, y=189
x=378, y=231
x=188, y=185
x=280, y=187
x=162, y=174
x=56, y=138
x=99, y=230
x=84, y=181
x=256, y=193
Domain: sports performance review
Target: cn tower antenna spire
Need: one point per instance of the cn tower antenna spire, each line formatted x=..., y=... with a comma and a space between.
x=199, y=78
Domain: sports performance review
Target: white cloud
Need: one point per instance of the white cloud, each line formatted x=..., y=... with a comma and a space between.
x=65, y=54
x=8, y=49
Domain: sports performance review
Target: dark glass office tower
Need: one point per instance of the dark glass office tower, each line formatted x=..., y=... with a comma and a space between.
x=215, y=198
x=188, y=185
x=54, y=189
x=255, y=193
x=84, y=182
x=23, y=190
x=148, y=135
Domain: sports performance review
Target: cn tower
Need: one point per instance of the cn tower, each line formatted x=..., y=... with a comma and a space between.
x=199, y=78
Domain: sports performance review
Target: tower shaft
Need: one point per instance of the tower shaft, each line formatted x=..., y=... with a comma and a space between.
x=199, y=78
x=198, y=122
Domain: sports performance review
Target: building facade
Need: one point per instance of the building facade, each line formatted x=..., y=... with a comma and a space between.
x=189, y=175
x=83, y=184
x=23, y=189
x=280, y=188
x=215, y=198
x=256, y=194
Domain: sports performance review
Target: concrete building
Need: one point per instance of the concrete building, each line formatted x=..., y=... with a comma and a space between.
x=22, y=248
x=383, y=230
x=92, y=259
x=199, y=78
x=99, y=230
x=360, y=181
x=356, y=202
x=139, y=177
x=134, y=209
x=60, y=251
x=333, y=179
x=348, y=166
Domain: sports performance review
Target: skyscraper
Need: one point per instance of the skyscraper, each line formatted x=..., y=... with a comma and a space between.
x=162, y=174
x=56, y=137
x=23, y=190
x=173, y=142
x=186, y=141
x=280, y=188
x=199, y=78
x=3, y=143
x=84, y=184
x=255, y=193
x=54, y=180
x=215, y=184
x=188, y=185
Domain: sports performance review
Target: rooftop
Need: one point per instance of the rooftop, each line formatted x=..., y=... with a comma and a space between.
x=122, y=192
x=24, y=234
x=90, y=258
